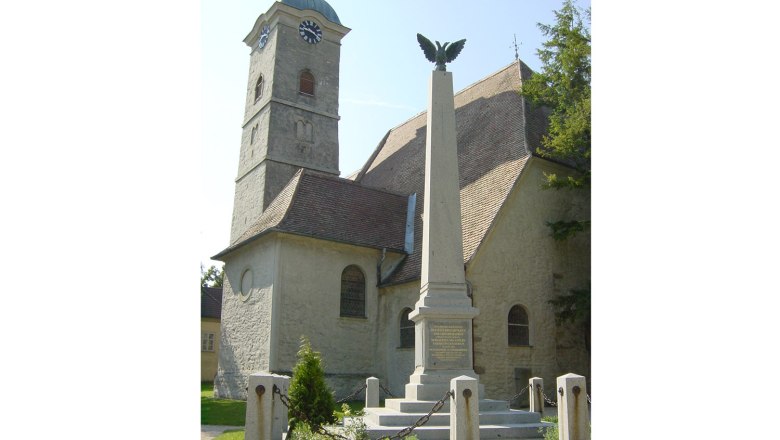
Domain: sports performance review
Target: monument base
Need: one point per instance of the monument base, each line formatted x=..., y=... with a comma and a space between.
x=433, y=384
x=443, y=340
x=496, y=419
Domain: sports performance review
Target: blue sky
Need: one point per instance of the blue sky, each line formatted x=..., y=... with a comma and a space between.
x=384, y=75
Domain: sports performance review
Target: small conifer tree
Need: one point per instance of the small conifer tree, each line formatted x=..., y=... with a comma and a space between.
x=309, y=394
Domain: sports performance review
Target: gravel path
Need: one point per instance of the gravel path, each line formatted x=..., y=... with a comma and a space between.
x=208, y=432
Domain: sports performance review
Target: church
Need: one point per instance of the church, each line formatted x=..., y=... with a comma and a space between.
x=338, y=260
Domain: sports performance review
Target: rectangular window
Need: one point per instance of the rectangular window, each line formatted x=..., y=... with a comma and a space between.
x=207, y=342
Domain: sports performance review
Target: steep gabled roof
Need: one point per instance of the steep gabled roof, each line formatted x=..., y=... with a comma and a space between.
x=211, y=302
x=497, y=133
x=332, y=208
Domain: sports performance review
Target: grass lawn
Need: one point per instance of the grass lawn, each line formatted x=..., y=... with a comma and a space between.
x=237, y=434
x=220, y=411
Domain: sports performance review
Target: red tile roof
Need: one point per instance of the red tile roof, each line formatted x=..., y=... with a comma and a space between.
x=332, y=208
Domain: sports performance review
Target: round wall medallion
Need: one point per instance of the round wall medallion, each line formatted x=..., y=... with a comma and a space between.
x=246, y=284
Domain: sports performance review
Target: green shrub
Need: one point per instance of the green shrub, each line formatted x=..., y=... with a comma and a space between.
x=357, y=428
x=303, y=432
x=309, y=394
x=550, y=433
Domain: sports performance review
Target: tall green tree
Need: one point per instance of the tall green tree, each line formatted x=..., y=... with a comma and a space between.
x=309, y=394
x=563, y=86
x=211, y=277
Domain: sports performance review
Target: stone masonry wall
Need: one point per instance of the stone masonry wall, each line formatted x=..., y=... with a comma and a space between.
x=246, y=320
x=398, y=363
x=310, y=292
x=519, y=263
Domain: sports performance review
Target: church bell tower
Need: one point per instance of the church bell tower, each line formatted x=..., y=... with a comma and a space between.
x=291, y=112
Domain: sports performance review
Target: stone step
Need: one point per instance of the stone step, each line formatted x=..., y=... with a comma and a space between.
x=423, y=406
x=390, y=417
x=503, y=432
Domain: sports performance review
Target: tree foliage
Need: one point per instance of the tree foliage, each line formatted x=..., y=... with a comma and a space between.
x=211, y=277
x=574, y=308
x=309, y=394
x=563, y=85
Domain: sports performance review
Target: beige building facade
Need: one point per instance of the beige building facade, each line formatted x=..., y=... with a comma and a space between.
x=338, y=260
x=210, y=313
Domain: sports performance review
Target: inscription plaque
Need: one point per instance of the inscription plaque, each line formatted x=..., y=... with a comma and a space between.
x=448, y=345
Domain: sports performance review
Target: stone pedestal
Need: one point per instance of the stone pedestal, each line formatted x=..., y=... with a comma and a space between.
x=464, y=409
x=536, y=398
x=573, y=417
x=372, y=392
x=266, y=416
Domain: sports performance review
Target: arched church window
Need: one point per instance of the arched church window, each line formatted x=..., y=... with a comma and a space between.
x=307, y=83
x=259, y=88
x=353, y=292
x=407, y=329
x=518, y=326
x=254, y=135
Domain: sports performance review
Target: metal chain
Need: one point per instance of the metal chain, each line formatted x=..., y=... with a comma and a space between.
x=386, y=390
x=547, y=399
x=522, y=391
x=319, y=429
x=422, y=420
x=352, y=396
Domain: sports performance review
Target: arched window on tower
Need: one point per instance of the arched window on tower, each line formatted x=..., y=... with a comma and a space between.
x=406, y=329
x=307, y=83
x=353, y=292
x=518, y=326
x=259, y=88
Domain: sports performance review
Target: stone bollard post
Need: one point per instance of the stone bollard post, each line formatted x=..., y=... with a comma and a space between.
x=266, y=415
x=535, y=397
x=573, y=418
x=464, y=409
x=372, y=392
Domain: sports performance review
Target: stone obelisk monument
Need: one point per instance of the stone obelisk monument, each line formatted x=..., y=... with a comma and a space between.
x=443, y=314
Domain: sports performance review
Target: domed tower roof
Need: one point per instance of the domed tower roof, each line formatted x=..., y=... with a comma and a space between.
x=320, y=6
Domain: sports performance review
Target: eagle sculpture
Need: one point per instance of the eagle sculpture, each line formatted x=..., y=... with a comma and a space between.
x=440, y=55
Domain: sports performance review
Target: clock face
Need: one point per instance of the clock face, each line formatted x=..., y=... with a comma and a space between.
x=263, y=37
x=310, y=32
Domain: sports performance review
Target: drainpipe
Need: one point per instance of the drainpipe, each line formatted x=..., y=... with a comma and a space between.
x=379, y=267
x=470, y=294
